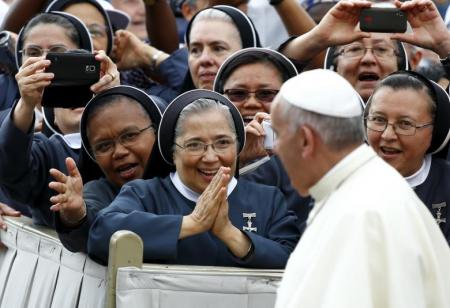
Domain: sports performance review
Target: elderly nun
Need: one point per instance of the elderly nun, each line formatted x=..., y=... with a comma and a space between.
x=201, y=214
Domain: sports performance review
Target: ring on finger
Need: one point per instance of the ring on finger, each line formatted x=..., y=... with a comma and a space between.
x=112, y=76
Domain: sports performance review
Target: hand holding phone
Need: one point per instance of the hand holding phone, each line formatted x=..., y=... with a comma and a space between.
x=377, y=19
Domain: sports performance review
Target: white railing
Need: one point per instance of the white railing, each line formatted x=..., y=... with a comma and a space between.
x=37, y=271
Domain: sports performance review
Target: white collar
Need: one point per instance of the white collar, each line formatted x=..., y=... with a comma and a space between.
x=72, y=140
x=339, y=172
x=421, y=175
x=336, y=176
x=189, y=193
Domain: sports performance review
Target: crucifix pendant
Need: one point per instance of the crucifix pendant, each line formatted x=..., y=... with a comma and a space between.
x=249, y=226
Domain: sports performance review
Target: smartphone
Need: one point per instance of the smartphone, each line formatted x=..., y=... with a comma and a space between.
x=75, y=72
x=377, y=19
x=269, y=139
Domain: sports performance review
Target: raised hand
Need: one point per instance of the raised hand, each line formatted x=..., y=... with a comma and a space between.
x=232, y=237
x=32, y=79
x=428, y=28
x=254, y=139
x=338, y=26
x=69, y=201
x=204, y=214
x=109, y=75
x=130, y=52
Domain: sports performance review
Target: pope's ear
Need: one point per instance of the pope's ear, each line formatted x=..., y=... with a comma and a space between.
x=308, y=141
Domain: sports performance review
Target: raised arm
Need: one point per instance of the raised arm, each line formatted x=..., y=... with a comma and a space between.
x=20, y=12
x=297, y=22
x=428, y=28
x=338, y=27
x=161, y=25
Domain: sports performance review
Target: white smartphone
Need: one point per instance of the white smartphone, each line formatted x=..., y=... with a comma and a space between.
x=269, y=140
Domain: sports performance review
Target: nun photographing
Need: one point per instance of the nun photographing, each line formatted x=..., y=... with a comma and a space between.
x=201, y=214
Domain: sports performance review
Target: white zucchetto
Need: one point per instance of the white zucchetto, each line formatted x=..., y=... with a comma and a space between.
x=324, y=92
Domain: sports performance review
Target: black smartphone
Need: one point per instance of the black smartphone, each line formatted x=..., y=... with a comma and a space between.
x=75, y=72
x=377, y=19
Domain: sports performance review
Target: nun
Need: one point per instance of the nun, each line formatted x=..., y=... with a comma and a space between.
x=365, y=58
x=251, y=78
x=93, y=15
x=407, y=124
x=119, y=129
x=201, y=214
x=211, y=36
x=25, y=157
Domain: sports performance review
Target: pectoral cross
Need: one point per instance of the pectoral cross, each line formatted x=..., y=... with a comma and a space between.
x=249, y=217
x=439, y=207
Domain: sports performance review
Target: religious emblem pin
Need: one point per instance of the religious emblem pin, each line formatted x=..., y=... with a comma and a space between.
x=439, y=207
x=249, y=227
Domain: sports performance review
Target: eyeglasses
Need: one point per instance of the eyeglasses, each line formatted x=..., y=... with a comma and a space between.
x=197, y=148
x=358, y=51
x=36, y=51
x=127, y=139
x=402, y=127
x=241, y=95
x=97, y=31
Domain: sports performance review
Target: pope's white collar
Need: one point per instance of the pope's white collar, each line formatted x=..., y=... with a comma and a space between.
x=189, y=193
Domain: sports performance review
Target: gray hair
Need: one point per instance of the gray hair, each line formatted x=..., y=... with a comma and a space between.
x=215, y=14
x=199, y=106
x=336, y=133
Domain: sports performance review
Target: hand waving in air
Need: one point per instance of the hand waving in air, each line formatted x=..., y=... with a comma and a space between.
x=69, y=201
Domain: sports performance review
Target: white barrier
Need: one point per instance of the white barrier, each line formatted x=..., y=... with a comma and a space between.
x=194, y=286
x=37, y=271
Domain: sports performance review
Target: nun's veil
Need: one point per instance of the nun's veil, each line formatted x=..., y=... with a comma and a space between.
x=441, y=125
x=166, y=133
x=249, y=35
x=253, y=55
x=154, y=106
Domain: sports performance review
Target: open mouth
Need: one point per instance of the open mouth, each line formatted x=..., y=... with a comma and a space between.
x=389, y=151
x=368, y=77
x=127, y=170
x=207, y=75
x=247, y=119
x=208, y=173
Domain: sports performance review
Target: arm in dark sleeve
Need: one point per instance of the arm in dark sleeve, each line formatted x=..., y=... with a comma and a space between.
x=134, y=210
x=282, y=234
x=174, y=69
x=24, y=161
x=97, y=195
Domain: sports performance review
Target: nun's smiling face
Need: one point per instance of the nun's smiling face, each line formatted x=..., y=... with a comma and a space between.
x=252, y=87
x=211, y=42
x=402, y=107
x=122, y=140
x=196, y=170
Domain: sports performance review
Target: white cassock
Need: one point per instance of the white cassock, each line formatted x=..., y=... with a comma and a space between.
x=370, y=242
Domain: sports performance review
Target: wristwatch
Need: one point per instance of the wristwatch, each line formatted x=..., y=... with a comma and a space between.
x=275, y=2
